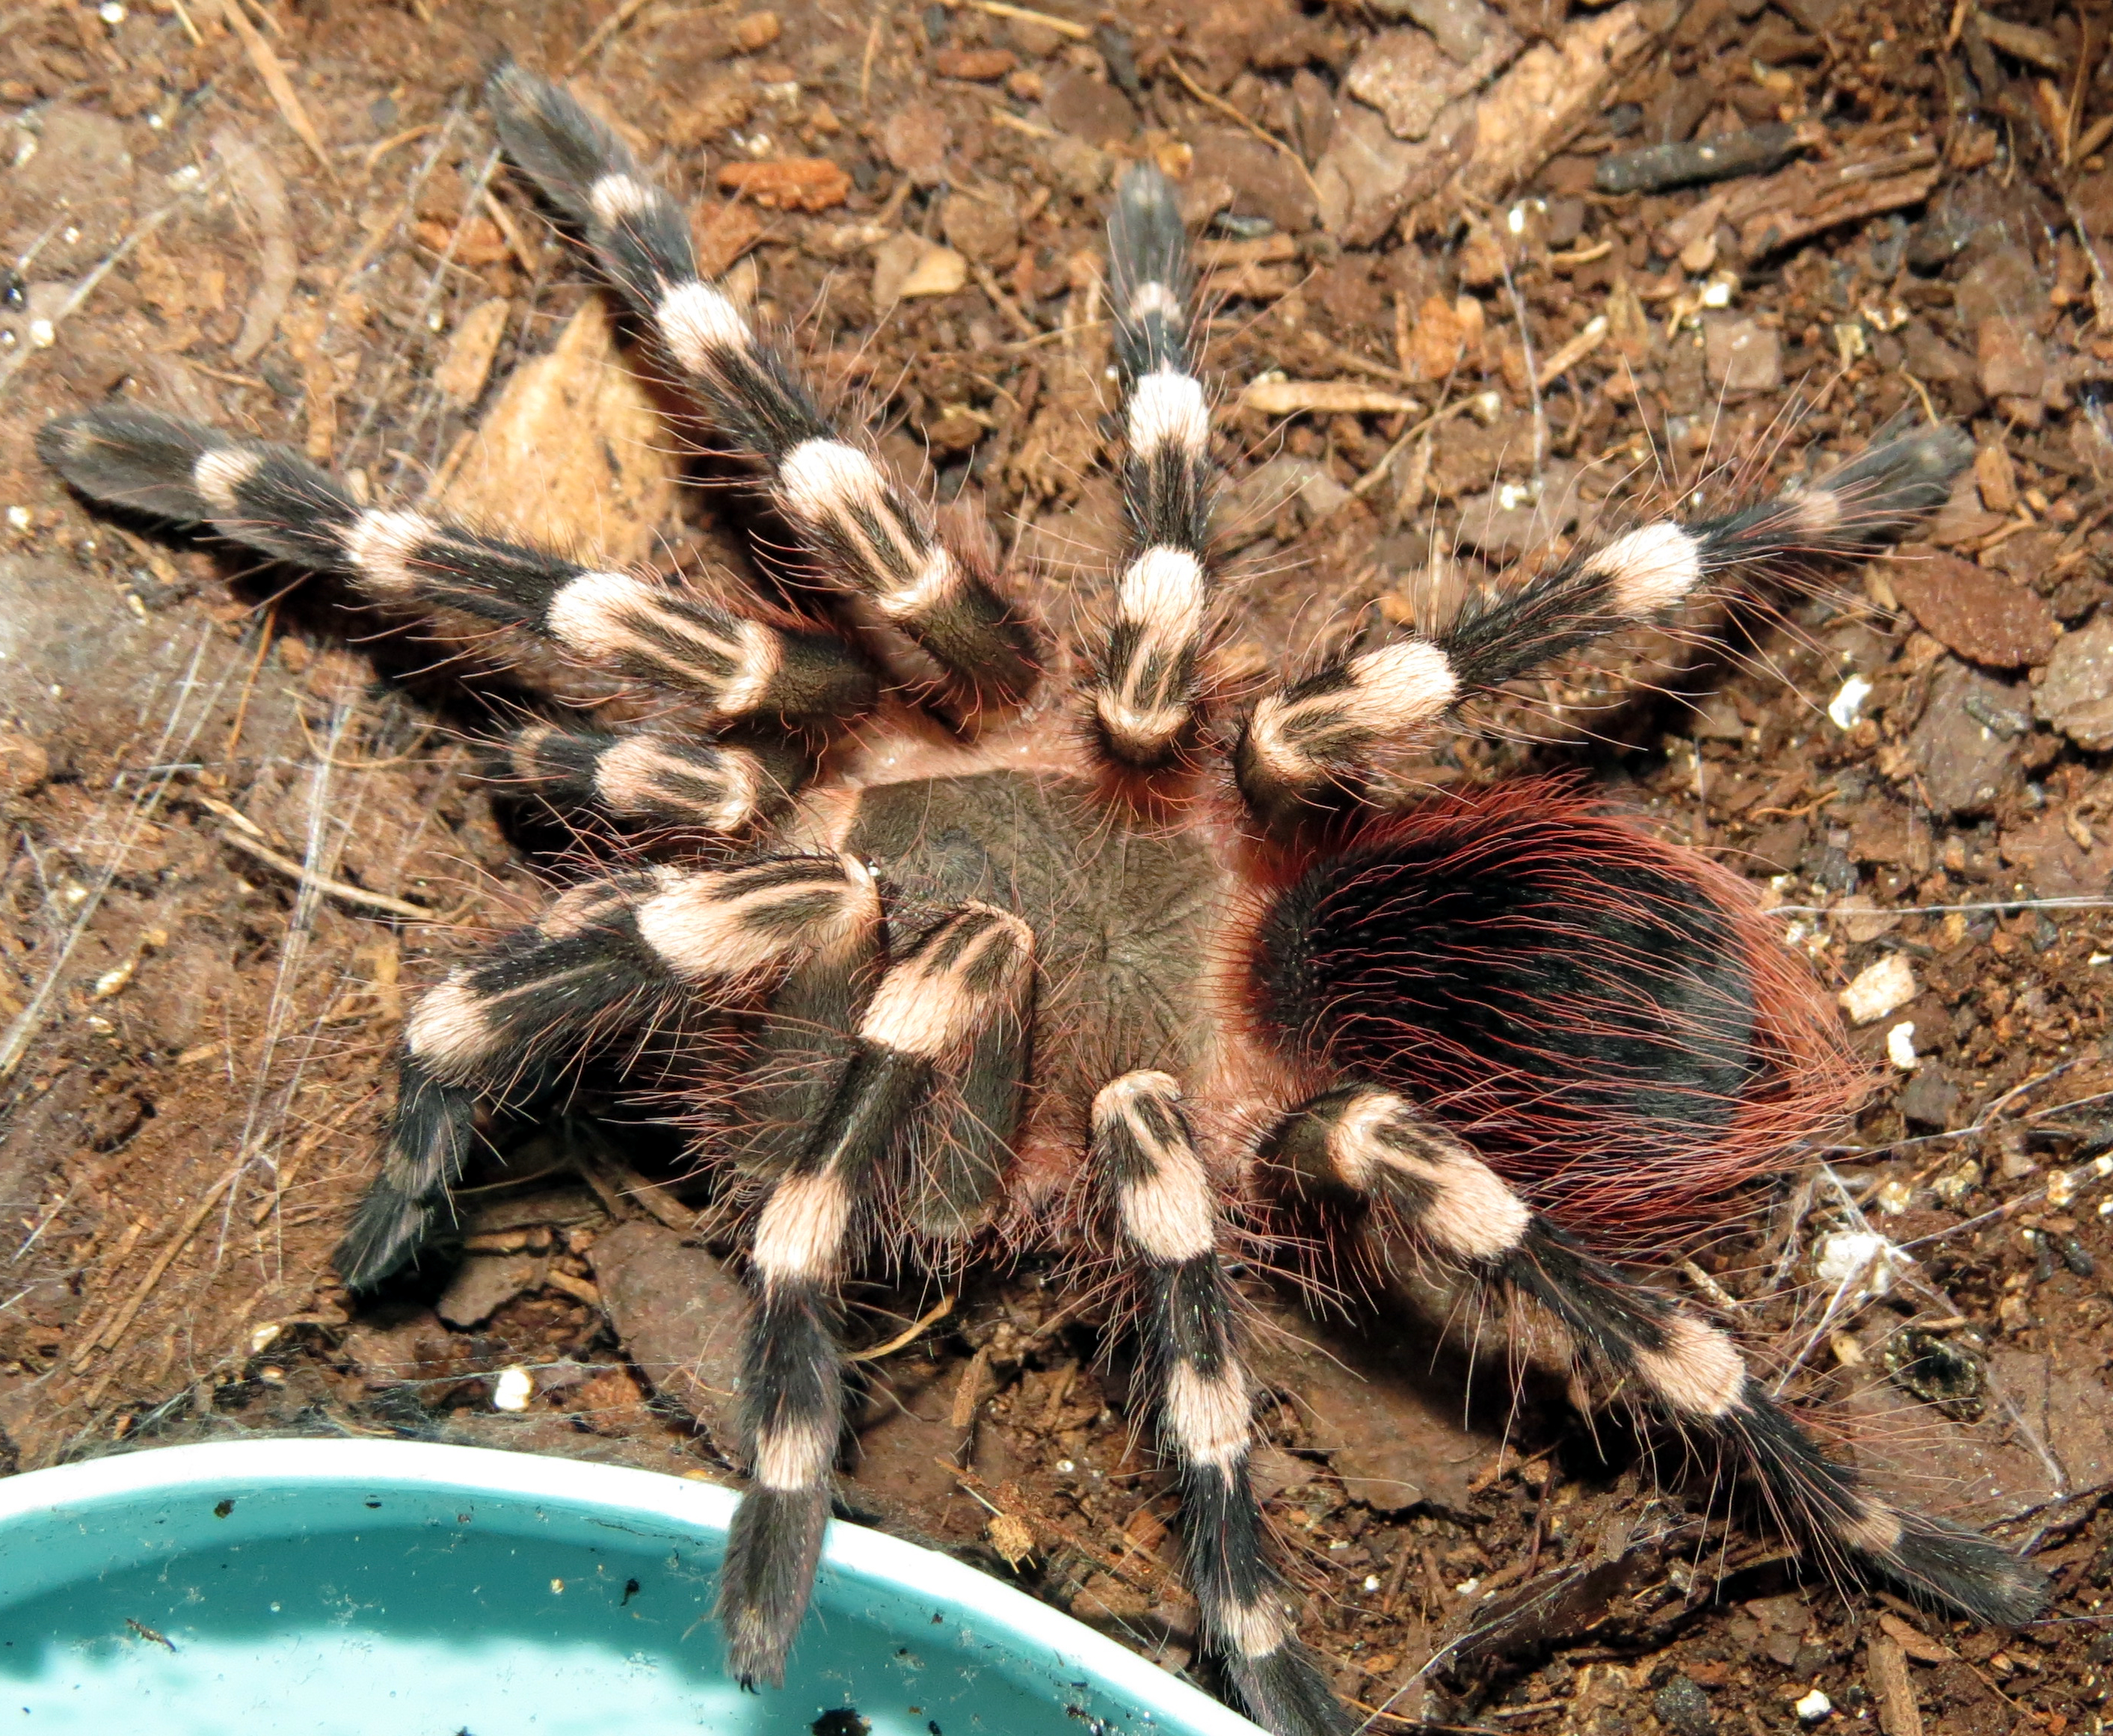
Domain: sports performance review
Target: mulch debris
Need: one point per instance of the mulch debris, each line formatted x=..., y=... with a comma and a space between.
x=1478, y=277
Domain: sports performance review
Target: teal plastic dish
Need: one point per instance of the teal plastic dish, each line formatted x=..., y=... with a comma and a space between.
x=391, y=1589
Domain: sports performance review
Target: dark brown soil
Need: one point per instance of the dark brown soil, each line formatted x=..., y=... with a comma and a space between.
x=194, y=1027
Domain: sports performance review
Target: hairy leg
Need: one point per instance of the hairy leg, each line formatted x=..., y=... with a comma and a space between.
x=271, y=499
x=1308, y=748
x=1144, y=691
x=1168, y=1228
x=611, y=955
x=914, y=1036
x=1424, y=1185
x=860, y=531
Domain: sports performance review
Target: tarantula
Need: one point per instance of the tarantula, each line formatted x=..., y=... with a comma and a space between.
x=1029, y=944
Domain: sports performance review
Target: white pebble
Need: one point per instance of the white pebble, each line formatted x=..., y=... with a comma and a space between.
x=1863, y=1258
x=1900, y=1046
x=43, y=334
x=18, y=518
x=1372, y=1582
x=513, y=1390
x=1813, y=1707
x=1847, y=705
x=1879, y=989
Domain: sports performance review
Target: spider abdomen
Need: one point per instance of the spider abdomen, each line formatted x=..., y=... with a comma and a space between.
x=1598, y=1011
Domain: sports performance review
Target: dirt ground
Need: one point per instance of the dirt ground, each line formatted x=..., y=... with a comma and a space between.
x=243, y=823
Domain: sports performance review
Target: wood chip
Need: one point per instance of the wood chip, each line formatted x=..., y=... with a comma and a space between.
x=788, y=184
x=723, y=233
x=578, y=399
x=262, y=190
x=1323, y=397
x=1886, y=1666
x=272, y=71
x=1912, y=1640
x=1809, y=197
x=2025, y=42
x=1011, y=1537
x=467, y=364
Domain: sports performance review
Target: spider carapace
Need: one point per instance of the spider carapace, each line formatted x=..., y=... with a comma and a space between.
x=1098, y=955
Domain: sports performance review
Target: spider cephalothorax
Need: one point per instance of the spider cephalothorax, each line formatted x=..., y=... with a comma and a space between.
x=1100, y=960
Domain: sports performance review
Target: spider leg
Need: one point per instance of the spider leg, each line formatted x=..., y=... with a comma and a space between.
x=917, y=1030
x=1168, y=1223
x=1422, y=1181
x=1308, y=749
x=610, y=955
x=271, y=499
x=864, y=533
x=646, y=782
x=1144, y=691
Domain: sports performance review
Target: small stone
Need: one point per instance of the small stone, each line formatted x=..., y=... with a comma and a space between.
x=679, y=1315
x=1683, y=1708
x=906, y=265
x=1847, y=705
x=514, y=1390
x=1929, y=1099
x=1900, y=1046
x=24, y=764
x=1406, y=77
x=1861, y=919
x=1813, y=1707
x=1880, y=988
x=483, y=1283
x=2012, y=359
x=1996, y=478
x=1865, y=1258
x=2077, y=696
x=916, y=139
x=757, y=30
x=1082, y=105
x=788, y=184
x=978, y=66
x=1741, y=355
x=1462, y=27
x=1971, y=610
x=983, y=225
x=1967, y=749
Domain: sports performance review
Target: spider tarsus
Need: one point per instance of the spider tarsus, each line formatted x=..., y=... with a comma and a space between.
x=1963, y=1573
x=1286, y=1692
x=141, y=461
x=1897, y=480
x=408, y=1204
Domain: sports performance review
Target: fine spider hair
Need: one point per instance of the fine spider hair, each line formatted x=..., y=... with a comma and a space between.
x=1005, y=942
